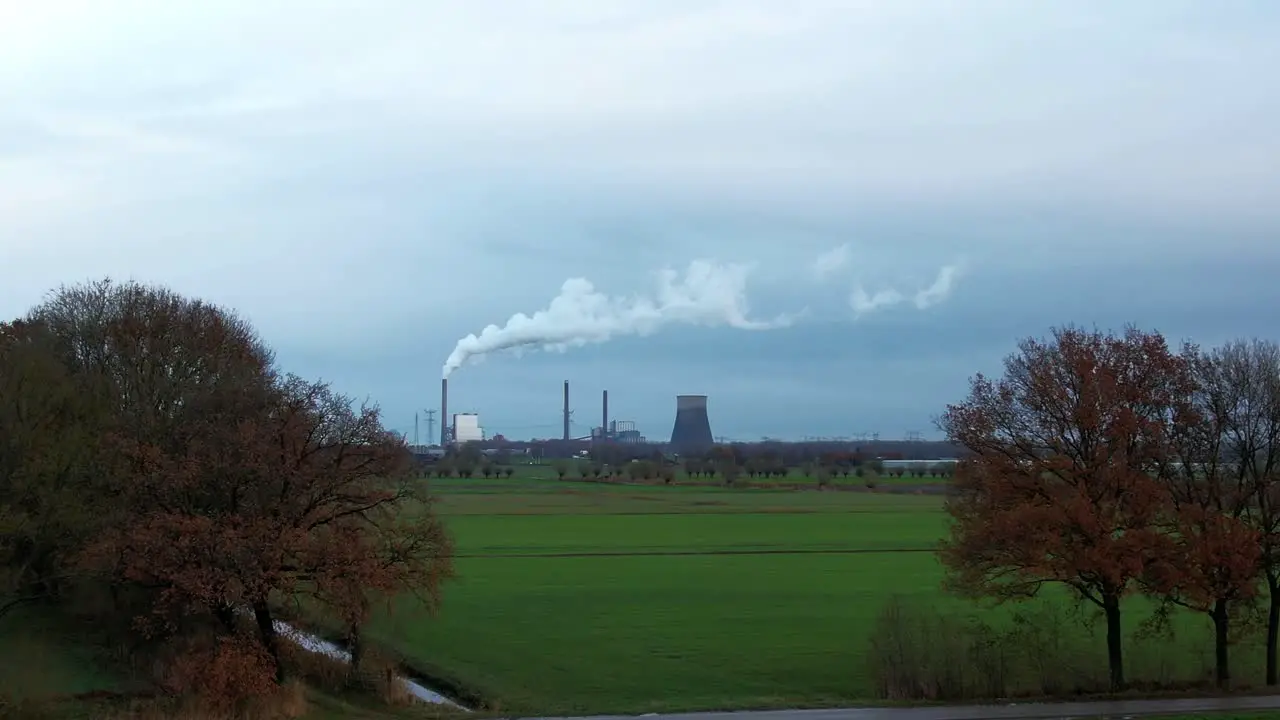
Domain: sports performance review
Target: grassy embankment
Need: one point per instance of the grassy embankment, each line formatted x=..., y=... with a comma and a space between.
x=55, y=667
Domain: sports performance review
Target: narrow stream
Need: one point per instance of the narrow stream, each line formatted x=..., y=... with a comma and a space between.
x=310, y=642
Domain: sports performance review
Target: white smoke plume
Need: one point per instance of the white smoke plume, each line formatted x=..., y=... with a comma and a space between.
x=708, y=294
x=863, y=302
x=832, y=261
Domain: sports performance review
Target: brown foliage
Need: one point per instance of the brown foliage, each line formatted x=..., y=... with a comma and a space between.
x=207, y=484
x=46, y=456
x=1062, y=483
x=1240, y=386
x=225, y=672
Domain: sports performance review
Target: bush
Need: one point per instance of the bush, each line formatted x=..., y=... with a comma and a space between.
x=920, y=654
x=1045, y=649
x=224, y=674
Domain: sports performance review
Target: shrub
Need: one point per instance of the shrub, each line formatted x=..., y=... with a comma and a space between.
x=222, y=674
x=920, y=654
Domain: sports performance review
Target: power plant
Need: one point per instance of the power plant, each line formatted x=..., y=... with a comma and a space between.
x=692, y=432
x=690, y=435
x=465, y=427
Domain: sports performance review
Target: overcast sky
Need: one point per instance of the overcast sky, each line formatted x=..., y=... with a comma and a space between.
x=861, y=203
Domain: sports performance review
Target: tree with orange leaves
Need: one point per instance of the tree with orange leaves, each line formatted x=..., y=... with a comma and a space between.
x=312, y=498
x=1061, y=486
x=1211, y=559
x=221, y=486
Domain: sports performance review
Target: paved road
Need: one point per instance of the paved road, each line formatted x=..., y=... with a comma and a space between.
x=1014, y=711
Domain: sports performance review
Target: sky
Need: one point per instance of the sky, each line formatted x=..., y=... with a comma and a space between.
x=825, y=215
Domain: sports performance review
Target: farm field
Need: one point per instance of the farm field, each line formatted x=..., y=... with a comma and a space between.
x=593, y=597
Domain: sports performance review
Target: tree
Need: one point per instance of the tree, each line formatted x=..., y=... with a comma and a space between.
x=1242, y=387
x=162, y=368
x=730, y=471
x=47, y=451
x=1210, y=561
x=312, y=498
x=1060, y=486
x=217, y=485
x=561, y=467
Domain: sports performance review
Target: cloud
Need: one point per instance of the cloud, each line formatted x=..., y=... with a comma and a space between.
x=832, y=261
x=940, y=289
x=864, y=302
x=708, y=294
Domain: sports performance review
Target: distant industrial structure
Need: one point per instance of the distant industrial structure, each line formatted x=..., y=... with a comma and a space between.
x=466, y=428
x=690, y=435
x=692, y=432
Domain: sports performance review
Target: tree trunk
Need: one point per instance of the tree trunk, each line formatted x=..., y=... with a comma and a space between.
x=1221, y=626
x=1273, y=629
x=356, y=645
x=1115, y=649
x=267, y=631
x=226, y=616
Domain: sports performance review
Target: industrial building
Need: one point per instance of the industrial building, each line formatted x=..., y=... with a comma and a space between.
x=466, y=428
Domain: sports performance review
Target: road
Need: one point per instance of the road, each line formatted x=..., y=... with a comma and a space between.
x=1010, y=711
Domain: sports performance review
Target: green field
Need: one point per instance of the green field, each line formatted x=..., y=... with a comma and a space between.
x=599, y=597
x=595, y=597
x=589, y=597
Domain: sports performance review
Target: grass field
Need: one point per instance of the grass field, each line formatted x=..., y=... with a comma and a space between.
x=42, y=656
x=585, y=597
x=591, y=597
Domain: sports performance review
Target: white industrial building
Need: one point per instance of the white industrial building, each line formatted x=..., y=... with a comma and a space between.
x=466, y=428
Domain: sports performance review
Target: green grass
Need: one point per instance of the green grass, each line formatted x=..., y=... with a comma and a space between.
x=45, y=655
x=591, y=597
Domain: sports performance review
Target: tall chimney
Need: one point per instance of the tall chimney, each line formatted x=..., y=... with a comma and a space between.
x=444, y=412
x=692, y=431
x=604, y=418
x=566, y=410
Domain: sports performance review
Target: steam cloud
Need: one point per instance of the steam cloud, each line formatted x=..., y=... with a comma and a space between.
x=862, y=302
x=832, y=261
x=708, y=294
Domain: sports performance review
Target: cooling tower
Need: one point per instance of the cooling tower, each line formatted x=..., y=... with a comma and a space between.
x=692, y=431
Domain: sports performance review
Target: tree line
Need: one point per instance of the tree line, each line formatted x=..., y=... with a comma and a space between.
x=1114, y=465
x=160, y=471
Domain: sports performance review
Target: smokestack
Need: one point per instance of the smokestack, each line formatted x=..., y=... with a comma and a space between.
x=566, y=410
x=604, y=418
x=692, y=431
x=444, y=412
